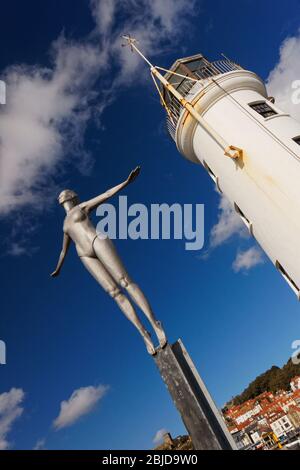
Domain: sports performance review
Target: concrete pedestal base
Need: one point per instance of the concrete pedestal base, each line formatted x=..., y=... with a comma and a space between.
x=199, y=414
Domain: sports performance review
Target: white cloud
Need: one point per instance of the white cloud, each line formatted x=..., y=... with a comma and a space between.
x=49, y=107
x=229, y=224
x=16, y=249
x=46, y=109
x=159, y=436
x=103, y=12
x=286, y=71
x=168, y=12
x=10, y=410
x=248, y=259
x=22, y=226
x=40, y=444
x=81, y=402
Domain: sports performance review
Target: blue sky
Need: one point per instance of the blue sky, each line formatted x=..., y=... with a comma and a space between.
x=65, y=334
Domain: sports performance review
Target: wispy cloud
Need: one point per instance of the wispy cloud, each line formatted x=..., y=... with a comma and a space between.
x=228, y=224
x=20, y=228
x=81, y=402
x=10, y=410
x=40, y=444
x=248, y=259
x=48, y=108
x=159, y=436
x=285, y=72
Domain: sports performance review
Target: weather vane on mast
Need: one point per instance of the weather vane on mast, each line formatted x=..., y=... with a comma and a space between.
x=131, y=42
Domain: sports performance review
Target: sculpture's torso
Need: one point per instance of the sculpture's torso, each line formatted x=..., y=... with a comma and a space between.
x=81, y=230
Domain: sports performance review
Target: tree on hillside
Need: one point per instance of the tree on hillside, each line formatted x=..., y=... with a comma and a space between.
x=272, y=380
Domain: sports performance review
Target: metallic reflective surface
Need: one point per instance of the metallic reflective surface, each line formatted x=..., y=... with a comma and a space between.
x=99, y=256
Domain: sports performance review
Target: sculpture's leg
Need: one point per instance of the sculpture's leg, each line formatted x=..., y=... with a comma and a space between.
x=129, y=311
x=103, y=277
x=107, y=253
x=139, y=298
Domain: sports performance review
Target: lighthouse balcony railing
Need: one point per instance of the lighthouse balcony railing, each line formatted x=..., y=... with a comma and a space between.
x=216, y=68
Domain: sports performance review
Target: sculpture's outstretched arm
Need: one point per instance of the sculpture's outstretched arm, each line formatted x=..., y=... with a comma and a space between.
x=65, y=247
x=88, y=206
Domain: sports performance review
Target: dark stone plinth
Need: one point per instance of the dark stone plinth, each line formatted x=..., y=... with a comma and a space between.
x=199, y=413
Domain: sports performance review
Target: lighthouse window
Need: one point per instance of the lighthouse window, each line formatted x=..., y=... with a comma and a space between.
x=243, y=217
x=297, y=139
x=263, y=109
x=288, y=279
x=212, y=175
x=195, y=65
x=210, y=172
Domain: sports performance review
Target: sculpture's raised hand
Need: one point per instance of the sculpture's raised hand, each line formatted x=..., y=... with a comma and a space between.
x=134, y=174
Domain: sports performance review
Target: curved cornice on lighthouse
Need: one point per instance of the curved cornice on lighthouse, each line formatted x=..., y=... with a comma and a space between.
x=211, y=91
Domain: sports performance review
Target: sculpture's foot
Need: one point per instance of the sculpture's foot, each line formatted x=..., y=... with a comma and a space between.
x=148, y=342
x=161, y=334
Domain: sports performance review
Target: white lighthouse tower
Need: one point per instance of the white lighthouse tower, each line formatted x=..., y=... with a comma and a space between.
x=220, y=116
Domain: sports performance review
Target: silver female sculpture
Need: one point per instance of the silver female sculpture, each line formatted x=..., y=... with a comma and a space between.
x=101, y=259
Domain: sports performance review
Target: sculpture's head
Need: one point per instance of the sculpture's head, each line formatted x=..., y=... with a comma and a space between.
x=68, y=199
